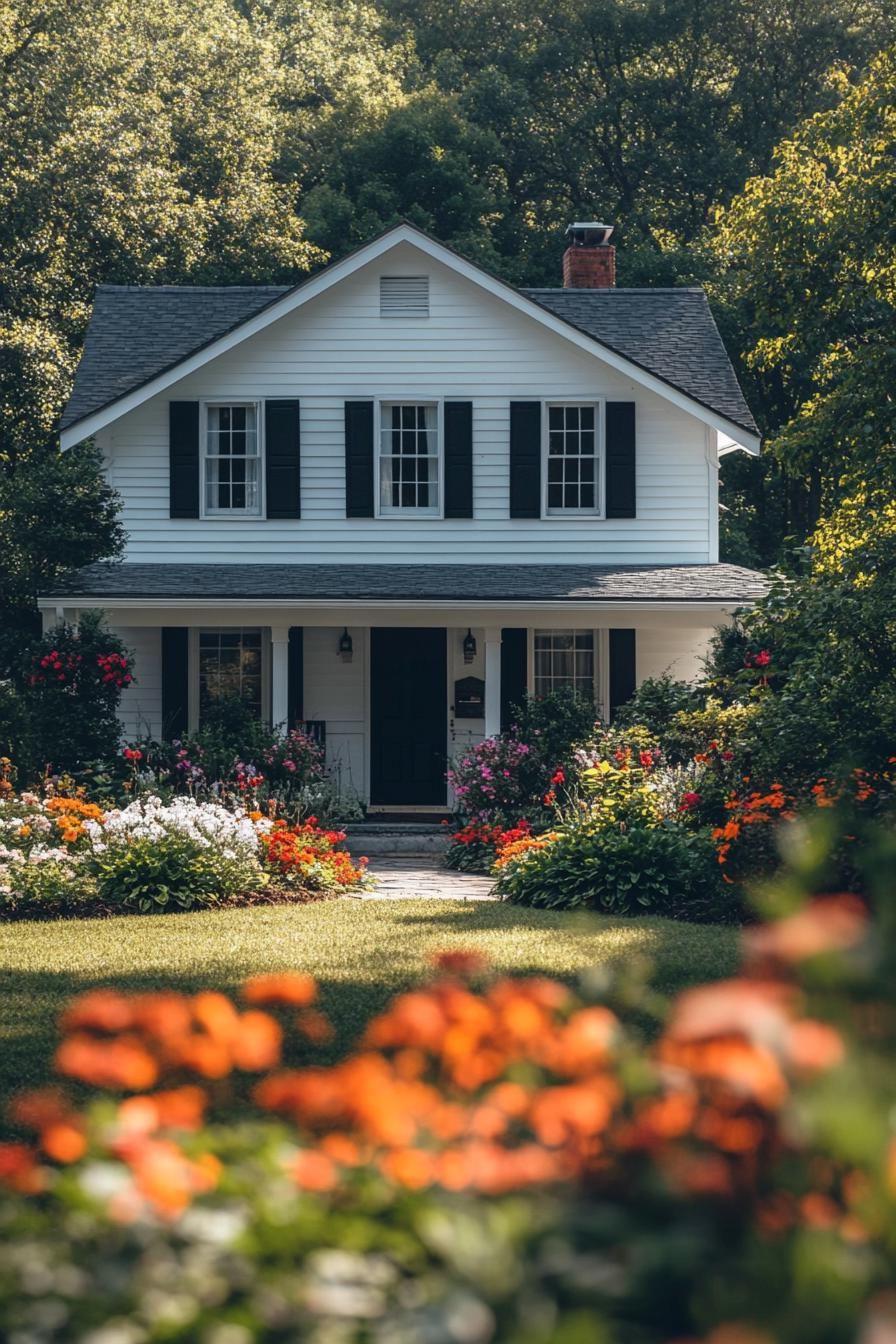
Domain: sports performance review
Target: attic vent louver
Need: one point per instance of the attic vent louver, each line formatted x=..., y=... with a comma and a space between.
x=404, y=296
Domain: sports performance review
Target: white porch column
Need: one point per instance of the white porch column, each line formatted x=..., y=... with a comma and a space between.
x=279, y=678
x=492, y=682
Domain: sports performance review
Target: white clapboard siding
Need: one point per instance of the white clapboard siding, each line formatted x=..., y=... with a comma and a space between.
x=140, y=710
x=473, y=346
x=670, y=648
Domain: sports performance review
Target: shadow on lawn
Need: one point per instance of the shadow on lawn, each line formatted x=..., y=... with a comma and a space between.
x=32, y=1002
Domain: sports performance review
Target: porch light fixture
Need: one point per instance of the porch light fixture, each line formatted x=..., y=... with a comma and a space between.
x=346, y=648
x=469, y=646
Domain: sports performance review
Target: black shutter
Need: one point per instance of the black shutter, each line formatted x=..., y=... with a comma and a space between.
x=514, y=673
x=525, y=459
x=183, y=459
x=620, y=449
x=458, y=459
x=359, y=459
x=295, y=679
x=281, y=467
x=175, y=681
x=623, y=676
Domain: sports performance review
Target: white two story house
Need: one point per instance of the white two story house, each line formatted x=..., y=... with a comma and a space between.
x=392, y=499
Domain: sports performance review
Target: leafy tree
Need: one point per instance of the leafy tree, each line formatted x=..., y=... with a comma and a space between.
x=808, y=274
x=649, y=114
x=143, y=141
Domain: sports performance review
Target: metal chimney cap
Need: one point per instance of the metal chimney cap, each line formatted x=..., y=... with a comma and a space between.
x=589, y=233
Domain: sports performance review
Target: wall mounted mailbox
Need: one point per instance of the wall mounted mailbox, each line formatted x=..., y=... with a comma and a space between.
x=469, y=698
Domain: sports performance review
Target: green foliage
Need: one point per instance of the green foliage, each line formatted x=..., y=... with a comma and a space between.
x=826, y=702
x=555, y=724
x=633, y=870
x=171, y=871
x=69, y=685
x=655, y=702
x=806, y=273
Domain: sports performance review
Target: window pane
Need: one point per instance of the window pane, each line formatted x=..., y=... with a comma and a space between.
x=409, y=461
x=571, y=459
x=231, y=464
x=230, y=668
x=564, y=658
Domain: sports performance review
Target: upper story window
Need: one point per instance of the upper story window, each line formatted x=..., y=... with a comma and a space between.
x=232, y=460
x=564, y=659
x=404, y=296
x=409, y=458
x=571, y=458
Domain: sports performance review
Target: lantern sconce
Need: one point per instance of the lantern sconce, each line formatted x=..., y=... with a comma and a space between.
x=469, y=646
x=346, y=648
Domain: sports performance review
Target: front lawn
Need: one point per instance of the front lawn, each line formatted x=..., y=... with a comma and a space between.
x=361, y=951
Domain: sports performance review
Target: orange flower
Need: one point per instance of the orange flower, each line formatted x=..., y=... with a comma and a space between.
x=828, y=924
x=814, y=1047
x=216, y=1014
x=314, y=1171
x=99, y=1010
x=411, y=1167
x=118, y=1064
x=257, y=1045
x=290, y=988
x=64, y=1141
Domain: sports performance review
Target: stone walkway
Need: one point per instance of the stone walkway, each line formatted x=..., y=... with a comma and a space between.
x=423, y=879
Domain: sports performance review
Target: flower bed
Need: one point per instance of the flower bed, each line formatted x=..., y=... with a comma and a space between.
x=67, y=856
x=499, y=1159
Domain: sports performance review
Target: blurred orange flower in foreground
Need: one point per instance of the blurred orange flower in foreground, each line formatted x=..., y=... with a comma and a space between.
x=514, y=1084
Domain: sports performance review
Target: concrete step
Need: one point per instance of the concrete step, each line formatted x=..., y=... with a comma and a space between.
x=378, y=839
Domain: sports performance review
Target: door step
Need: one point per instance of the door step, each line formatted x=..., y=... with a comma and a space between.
x=397, y=839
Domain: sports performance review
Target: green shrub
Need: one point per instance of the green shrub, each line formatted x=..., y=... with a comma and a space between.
x=554, y=724
x=641, y=870
x=655, y=704
x=184, y=854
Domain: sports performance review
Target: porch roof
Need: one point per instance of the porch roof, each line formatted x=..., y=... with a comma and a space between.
x=718, y=584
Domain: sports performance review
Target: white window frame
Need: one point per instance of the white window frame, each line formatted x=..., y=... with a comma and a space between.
x=600, y=653
x=598, y=404
x=193, y=713
x=235, y=515
x=407, y=514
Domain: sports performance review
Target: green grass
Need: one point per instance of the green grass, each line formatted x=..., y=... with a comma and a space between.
x=361, y=951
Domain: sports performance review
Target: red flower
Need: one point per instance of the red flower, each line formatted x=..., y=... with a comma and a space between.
x=689, y=801
x=558, y=777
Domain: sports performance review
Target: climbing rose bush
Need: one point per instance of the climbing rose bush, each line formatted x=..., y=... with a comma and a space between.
x=499, y=1158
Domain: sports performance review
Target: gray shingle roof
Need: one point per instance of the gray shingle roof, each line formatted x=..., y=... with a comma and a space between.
x=729, y=584
x=136, y=333
x=670, y=333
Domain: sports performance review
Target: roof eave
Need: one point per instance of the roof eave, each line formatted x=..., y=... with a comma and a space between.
x=88, y=425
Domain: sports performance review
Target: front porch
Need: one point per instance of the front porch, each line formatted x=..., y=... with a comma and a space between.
x=390, y=703
x=398, y=668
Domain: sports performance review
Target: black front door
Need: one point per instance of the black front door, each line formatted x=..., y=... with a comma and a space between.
x=408, y=717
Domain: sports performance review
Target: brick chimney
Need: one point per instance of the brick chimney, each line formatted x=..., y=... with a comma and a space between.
x=589, y=261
